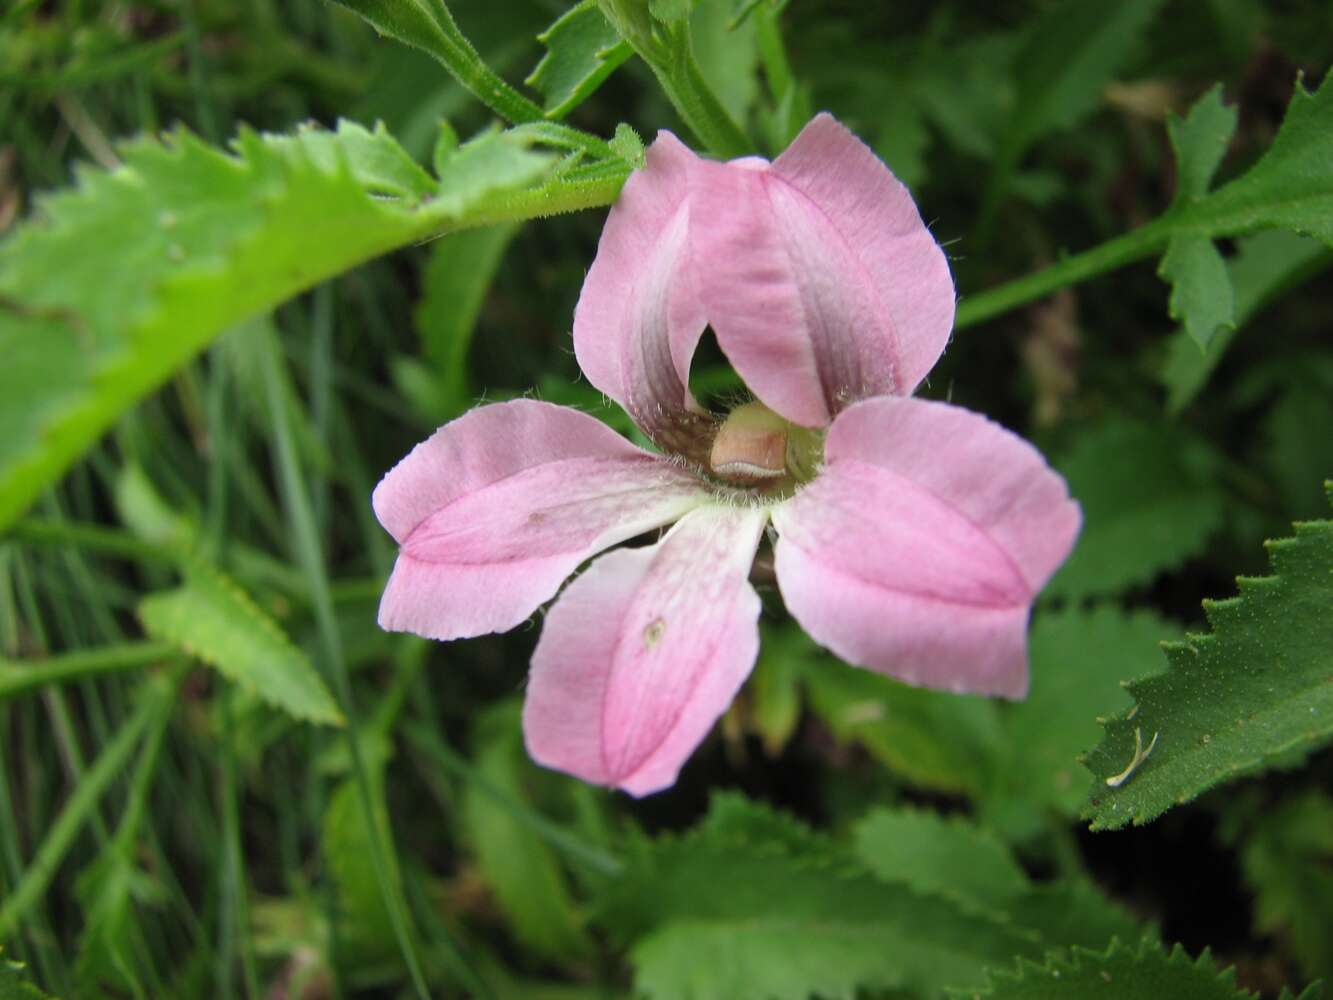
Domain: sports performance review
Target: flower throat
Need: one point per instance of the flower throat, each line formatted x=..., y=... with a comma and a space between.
x=756, y=448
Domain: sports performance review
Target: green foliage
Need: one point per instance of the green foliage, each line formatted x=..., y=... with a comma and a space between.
x=1150, y=500
x=428, y=25
x=1264, y=266
x=938, y=856
x=1287, y=859
x=756, y=904
x=775, y=693
x=1199, y=141
x=1079, y=661
x=457, y=277
x=1201, y=294
x=196, y=842
x=1066, y=60
x=582, y=50
x=1298, y=429
x=519, y=865
x=739, y=915
x=929, y=738
x=1290, y=187
x=365, y=926
x=727, y=50
x=212, y=619
x=14, y=983
x=156, y=699
x=958, y=860
x=1232, y=701
x=1069, y=56
x=1122, y=972
x=215, y=238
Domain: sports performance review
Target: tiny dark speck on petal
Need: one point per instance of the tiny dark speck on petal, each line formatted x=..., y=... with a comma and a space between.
x=652, y=635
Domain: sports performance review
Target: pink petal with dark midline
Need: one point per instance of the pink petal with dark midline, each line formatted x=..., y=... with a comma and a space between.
x=639, y=317
x=643, y=652
x=818, y=276
x=496, y=509
x=919, y=548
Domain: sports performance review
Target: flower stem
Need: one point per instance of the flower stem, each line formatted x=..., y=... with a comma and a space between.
x=665, y=47
x=1115, y=253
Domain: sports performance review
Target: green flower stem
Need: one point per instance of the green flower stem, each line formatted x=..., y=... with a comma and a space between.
x=1132, y=246
x=429, y=26
x=554, y=198
x=667, y=52
x=16, y=679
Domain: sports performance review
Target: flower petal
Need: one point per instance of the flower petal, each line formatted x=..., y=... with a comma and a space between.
x=818, y=276
x=643, y=652
x=497, y=508
x=918, y=549
x=639, y=317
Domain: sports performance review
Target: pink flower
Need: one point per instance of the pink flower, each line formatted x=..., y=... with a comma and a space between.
x=912, y=536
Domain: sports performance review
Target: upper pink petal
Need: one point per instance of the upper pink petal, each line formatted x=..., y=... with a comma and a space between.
x=639, y=317
x=498, y=507
x=919, y=548
x=817, y=274
x=643, y=652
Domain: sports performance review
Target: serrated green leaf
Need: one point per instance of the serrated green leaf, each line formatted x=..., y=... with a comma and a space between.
x=955, y=858
x=212, y=619
x=949, y=857
x=1200, y=140
x=519, y=866
x=1201, y=294
x=582, y=50
x=1231, y=701
x=1074, y=914
x=932, y=739
x=1264, y=266
x=1287, y=858
x=375, y=158
x=734, y=819
x=721, y=916
x=1150, y=501
x=123, y=279
x=1291, y=187
x=1122, y=972
x=1079, y=659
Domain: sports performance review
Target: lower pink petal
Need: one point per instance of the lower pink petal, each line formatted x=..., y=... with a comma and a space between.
x=989, y=475
x=918, y=638
x=643, y=652
x=918, y=549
